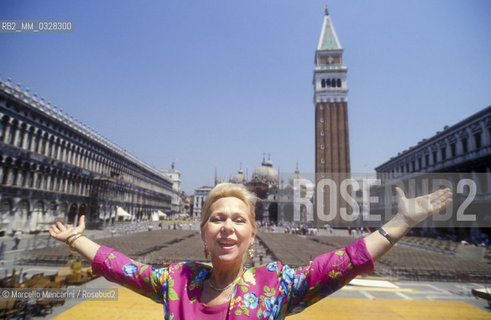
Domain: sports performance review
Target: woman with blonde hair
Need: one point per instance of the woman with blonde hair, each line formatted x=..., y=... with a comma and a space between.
x=228, y=290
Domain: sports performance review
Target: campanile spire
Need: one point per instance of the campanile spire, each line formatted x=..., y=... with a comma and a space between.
x=332, y=156
x=331, y=103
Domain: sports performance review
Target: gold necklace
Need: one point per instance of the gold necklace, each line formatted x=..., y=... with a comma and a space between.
x=210, y=283
x=213, y=286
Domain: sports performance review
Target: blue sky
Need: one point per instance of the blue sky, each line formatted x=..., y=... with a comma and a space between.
x=216, y=83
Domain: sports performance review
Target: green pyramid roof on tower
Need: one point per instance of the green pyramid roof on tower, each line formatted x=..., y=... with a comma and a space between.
x=329, y=39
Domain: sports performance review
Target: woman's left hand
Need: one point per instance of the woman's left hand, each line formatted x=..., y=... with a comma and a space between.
x=415, y=210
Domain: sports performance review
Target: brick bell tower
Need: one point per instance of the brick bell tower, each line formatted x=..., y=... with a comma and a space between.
x=332, y=156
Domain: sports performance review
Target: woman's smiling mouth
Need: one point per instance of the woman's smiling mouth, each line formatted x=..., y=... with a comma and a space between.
x=227, y=244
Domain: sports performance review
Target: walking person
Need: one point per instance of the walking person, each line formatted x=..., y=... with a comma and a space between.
x=2, y=250
x=17, y=238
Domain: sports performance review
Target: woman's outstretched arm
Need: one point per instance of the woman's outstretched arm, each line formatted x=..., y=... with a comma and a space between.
x=410, y=212
x=82, y=244
x=114, y=266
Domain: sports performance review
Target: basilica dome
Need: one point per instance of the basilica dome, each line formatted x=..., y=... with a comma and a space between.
x=266, y=173
x=239, y=178
x=294, y=176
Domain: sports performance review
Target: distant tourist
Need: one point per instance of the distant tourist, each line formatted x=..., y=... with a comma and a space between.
x=2, y=250
x=17, y=238
x=228, y=290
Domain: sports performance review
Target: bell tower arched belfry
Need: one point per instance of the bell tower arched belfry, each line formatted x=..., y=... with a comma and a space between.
x=332, y=156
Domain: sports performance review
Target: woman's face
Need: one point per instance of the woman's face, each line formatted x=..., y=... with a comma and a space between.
x=228, y=232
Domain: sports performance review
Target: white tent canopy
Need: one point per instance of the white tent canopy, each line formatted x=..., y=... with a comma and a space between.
x=158, y=215
x=155, y=216
x=161, y=214
x=120, y=213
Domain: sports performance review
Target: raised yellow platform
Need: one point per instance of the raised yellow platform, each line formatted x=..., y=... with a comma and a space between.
x=379, y=309
x=131, y=306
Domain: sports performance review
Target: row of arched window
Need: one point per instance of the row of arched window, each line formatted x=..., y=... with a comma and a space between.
x=331, y=83
x=16, y=173
x=24, y=175
x=37, y=215
x=454, y=146
x=32, y=139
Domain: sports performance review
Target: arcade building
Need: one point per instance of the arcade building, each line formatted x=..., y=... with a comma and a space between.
x=54, y=168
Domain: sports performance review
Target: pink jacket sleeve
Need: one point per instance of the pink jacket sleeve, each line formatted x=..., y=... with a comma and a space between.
x=326, y=274
x=139, y=277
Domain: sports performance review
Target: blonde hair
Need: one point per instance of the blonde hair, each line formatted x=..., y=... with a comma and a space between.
x=224, y=190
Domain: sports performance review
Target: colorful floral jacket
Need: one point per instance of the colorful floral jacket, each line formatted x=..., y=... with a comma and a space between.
x=265, y=292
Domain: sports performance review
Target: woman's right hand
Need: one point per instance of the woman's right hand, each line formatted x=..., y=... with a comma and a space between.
x=60, y=232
